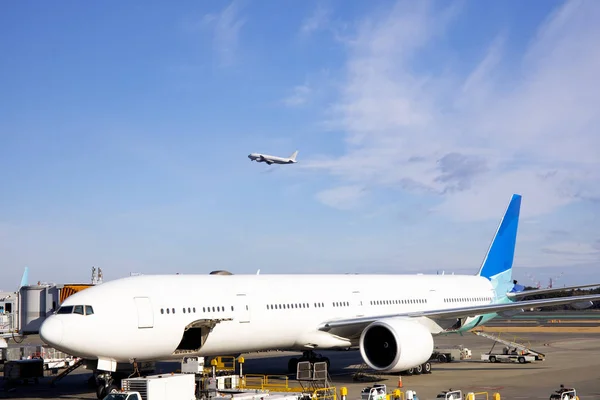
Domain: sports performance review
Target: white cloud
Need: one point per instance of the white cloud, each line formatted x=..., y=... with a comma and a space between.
x=227, y=25
x=299, y=96
x=477, y=139
x=317, y=20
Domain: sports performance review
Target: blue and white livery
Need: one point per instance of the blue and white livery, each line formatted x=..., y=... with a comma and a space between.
x=391, y=319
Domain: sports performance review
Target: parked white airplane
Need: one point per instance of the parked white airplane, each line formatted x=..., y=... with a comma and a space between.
x=258, y=157
x=389, y=318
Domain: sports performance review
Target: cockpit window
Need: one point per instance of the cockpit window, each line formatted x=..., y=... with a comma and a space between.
x=65, y=310
x=78, y=309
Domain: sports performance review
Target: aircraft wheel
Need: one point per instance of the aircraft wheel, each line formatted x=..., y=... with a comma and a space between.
x=112, y=389
x=409, y=371
x=101, y=391
x=427, y=368
x=418, y=369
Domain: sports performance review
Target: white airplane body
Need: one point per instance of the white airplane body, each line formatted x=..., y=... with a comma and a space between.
x=258, y=157
x=256, y=312
x=391, y=319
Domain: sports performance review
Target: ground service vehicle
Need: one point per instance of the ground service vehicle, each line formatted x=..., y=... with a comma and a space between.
x=156, y=387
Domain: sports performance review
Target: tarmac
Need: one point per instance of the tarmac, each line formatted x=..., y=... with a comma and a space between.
x=572, y=358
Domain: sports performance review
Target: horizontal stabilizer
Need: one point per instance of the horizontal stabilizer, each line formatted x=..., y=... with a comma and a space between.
x=533, y=292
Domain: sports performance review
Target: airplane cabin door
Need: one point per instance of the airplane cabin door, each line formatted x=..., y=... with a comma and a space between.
x=357, y=303
x=242, y=308
x=144, y=312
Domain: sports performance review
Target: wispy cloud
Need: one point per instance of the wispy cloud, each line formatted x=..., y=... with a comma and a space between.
x=476, y=139
x=573, y=248
x=226, y=27
x=317, y=20
x=300, y=95
x=342, y=197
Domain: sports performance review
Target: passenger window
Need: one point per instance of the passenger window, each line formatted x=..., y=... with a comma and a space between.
x=89, y=310
x=78, y=310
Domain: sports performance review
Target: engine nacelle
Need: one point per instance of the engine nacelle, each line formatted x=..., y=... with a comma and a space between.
x=395, y=344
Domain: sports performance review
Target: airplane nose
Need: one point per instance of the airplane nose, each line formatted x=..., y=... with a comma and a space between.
x=51, y=331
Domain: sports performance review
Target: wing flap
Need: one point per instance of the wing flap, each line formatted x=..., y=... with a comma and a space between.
x=462, y=312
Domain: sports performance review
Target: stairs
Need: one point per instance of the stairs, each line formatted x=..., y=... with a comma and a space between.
x=66, y=372
x=314, y=378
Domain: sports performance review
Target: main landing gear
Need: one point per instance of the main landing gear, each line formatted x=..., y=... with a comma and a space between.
x=105, y=384
x=306, y=356
x=424, y=368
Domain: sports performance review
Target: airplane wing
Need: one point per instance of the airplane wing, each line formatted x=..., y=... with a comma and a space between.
x=526, y=293
x=462, y=312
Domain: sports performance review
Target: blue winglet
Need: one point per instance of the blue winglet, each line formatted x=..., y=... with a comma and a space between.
x=499, y=258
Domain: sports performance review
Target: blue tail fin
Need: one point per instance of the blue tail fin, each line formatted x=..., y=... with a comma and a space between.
x=498, y=262
x=25, y=278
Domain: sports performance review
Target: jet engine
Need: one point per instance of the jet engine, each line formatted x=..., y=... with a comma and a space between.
x=395, y=344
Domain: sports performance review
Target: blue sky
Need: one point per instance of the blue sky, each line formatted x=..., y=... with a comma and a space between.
x=124, y=132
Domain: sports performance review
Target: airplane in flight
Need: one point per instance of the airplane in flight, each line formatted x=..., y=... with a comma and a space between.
x=258, y=157
x=390, y=319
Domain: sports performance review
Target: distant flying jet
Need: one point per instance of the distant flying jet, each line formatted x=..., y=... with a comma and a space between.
x=272, y=159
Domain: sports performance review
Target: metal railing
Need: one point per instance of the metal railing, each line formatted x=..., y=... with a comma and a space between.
x=328, y=393
x=477, y=396
x=7, y=323
x=276, y=383
x=221, y=363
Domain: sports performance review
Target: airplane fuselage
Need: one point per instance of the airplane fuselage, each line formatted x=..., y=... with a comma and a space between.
x=144, y=317
x=270, y=159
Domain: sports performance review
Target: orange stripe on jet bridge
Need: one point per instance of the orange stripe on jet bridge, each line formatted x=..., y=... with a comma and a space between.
x=69, y=290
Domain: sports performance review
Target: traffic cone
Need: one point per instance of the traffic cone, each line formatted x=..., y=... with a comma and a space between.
x=399, y=381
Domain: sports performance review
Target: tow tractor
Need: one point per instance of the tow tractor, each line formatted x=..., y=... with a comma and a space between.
x=451, y=354
x=376, y=392
x=123, y=396
x=450, y=395
x=564, y=394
